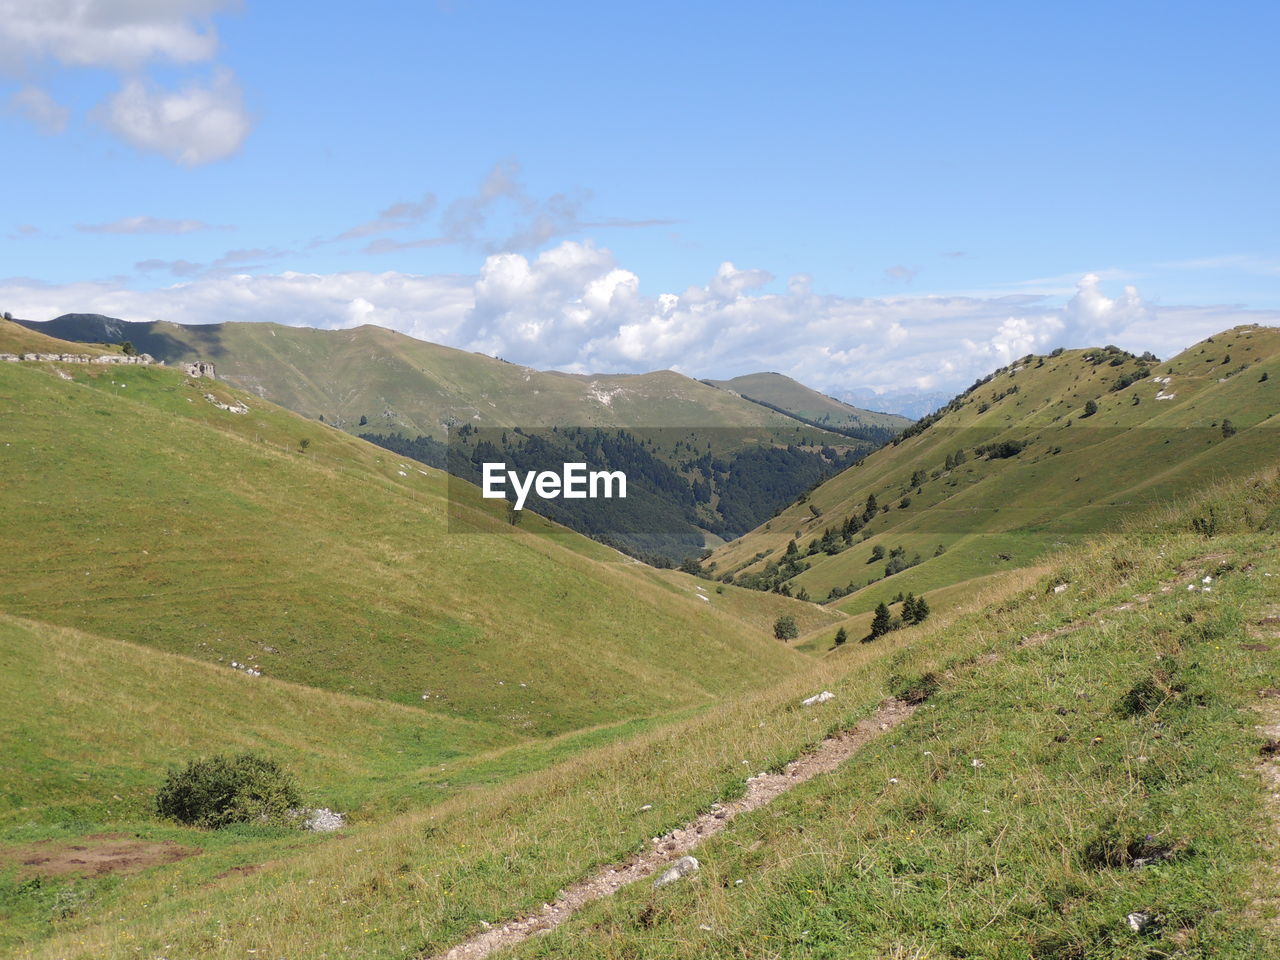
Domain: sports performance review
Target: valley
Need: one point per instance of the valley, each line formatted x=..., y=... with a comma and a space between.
x=502, y=713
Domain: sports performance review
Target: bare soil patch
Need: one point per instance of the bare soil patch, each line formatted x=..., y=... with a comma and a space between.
x=93, y=856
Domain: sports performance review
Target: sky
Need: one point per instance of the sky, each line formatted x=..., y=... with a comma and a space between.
x=885, y=196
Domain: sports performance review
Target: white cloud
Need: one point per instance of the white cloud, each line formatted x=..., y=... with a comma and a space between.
x=36, y=105
x=574, y=308
x=200, y=123
x=146, y=225
x=900, y=273
x=193, y=126
x=121, y=34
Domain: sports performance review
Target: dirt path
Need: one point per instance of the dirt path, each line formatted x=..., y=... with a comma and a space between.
x=761, y=790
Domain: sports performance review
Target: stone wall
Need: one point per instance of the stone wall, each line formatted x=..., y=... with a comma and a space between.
x=142, y=359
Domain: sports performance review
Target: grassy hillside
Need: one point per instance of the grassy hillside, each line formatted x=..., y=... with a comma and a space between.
x=782, y=392
x=15, y=338
x=403, y=385
x=136, y=509
x=1002, y=820
x=406, y=395
x=1018, y=466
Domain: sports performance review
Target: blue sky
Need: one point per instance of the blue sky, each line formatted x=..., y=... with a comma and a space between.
x=853, y=192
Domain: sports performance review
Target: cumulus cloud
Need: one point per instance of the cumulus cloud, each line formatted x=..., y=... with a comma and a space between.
x=141, y=224
x=193, y=126
x=200, y=123
x=42, y=110
x=121, y=34
x=574, y=308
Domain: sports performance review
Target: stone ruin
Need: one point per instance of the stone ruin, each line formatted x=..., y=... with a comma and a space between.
x=200, y=368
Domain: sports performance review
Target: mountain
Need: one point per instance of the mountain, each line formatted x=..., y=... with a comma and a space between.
x=412, y=387
x=781, y=393
x=141, y=509
x=1030, y=458
x=1065, y=761
x=728, y=462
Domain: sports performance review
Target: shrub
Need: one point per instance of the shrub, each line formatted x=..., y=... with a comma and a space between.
x=784, y=628
x=841, y=636
x=216, y=791
x=1090, y=408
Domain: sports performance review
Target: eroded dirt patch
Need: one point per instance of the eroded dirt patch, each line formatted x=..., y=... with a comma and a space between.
x=93, y=856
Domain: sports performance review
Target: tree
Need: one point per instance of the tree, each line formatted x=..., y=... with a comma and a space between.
x=364, y=421
x=784, y=628
x=909, y=609
x=881, y=623
x=792, y=549
x=303, y=444
x=127, y=348
x=870, y=510
x=877, y=553
x=1090, y=408
x=841, y=636
x=802, y=594
x=922, y=609
x=1228, y=429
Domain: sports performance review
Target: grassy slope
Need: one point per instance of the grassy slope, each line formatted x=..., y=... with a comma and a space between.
x=1077, y=476
x=137, y=510
x=781, y=391
x=15, y=338
x=413, y=387
x=953, y=859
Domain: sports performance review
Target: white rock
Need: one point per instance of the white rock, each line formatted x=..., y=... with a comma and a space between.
x=822, y=697
x=323, y=820
x=681, y=868
x=1138, y=922
x=1060, y=588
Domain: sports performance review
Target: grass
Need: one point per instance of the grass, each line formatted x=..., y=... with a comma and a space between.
x=862, y=865
x=1075, y=478
x=785, y=393
x=138, y=511
x=408, y=386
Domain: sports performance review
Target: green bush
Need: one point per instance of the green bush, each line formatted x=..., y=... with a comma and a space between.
x=784, y=628
x=216, y=791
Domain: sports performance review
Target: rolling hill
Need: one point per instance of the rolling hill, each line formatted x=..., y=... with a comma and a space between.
x=408, y=395
x=408, y=386
x=1033, y=457
x=141, y=509
x=503, y=711
x=782, y=393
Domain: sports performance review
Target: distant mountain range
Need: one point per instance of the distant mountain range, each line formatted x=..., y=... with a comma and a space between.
x=905, y=402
